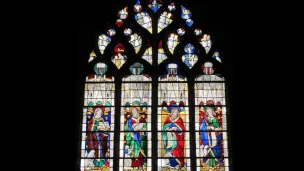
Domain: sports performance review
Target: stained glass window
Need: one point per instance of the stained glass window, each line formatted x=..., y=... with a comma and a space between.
x=211, y=123
x=135, y=137
x=173, y=121
x=170, y=114
x=97, y=123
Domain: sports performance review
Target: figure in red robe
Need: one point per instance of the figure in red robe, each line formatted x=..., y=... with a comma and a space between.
x=97, y=139
x=173, y=138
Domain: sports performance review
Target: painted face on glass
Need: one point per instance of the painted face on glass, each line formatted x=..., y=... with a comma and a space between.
x=210, y=112
x=135, y=113
x=174, y=113
x=98, y=113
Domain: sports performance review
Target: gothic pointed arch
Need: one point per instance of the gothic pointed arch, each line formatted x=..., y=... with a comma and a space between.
x=155, y=94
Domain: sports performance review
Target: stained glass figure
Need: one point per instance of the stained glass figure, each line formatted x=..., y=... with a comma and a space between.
x=173, y=123
x=97, y=139
x=206, y=42
x=144, y=20
x=173, y=41
x=135, y=137
x=164, y=20
x=103, y=41
x=136, y=41
x=211, y=123
x=97, y=124
x=119, y=58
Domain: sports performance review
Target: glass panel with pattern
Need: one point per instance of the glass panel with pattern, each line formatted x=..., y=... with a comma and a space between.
x=173, y=121
x=211, y=123
x=135, y=122
x=172, y=131
x=98, y=121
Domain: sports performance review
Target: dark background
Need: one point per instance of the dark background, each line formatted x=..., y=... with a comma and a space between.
x=248, y=35
x=47, y=45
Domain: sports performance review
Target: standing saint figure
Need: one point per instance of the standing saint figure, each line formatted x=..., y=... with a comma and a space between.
x=136, y=137
x=173, y=138
x=204, y=145
x=211, y=137
x=97, y=139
